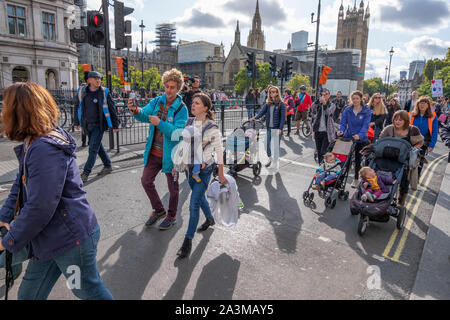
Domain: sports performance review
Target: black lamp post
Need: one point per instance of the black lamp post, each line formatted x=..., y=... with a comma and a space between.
x=142, y=50
x=391, y=53
x=385, y=80
x=315, y=76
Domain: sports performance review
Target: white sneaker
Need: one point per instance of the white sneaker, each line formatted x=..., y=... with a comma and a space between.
x=355, y=183
x=364, y=198
x=269, y=163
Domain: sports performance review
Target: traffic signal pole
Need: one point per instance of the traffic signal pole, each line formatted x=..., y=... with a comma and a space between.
x=105, y=8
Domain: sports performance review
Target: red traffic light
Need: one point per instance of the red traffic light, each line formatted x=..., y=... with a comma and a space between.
x=98, y=20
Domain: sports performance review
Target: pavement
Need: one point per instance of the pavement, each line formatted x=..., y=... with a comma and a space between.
x=279, y=249
x=433, y=280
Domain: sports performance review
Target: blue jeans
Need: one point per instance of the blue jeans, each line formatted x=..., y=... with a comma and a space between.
x=95, y=147
x=269, y=140
x=198, y=200
x=251, y=112
x=41, y=276
x=323, y=177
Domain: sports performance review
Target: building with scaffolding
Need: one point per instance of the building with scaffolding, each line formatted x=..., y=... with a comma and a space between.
x=165, y=38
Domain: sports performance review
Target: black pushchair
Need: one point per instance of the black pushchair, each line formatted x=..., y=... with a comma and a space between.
x=389, y=157
x=241, y=149
x=343, y=150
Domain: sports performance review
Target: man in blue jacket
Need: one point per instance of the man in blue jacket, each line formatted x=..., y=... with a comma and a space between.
x=96, y=113
x=167, y=116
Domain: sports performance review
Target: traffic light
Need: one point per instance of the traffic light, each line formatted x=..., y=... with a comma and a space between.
x=288, y=70
x=79, y=35
x=282, y=71
x=95, y=28
x=125, y=68
x=273, y=65
x=251, y=63
x=324, y=75
x=122, y=27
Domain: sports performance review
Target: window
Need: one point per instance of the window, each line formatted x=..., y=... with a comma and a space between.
x=48, y=25
x=16, y=20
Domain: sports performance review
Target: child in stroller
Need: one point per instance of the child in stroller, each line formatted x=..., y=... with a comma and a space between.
x=330, y=171
x=241, y=149
x=342, y=150
x=390, y=159
x=373, y=186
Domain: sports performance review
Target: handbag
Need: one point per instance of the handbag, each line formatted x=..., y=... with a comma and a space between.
x=414, y=157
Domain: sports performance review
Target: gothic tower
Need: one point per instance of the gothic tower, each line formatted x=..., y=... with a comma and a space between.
x=353, y=33
x=256, y=36
x=237, y=34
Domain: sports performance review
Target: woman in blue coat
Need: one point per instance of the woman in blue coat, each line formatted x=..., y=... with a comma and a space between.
x=426, y=120
x=275, y=111
x=354, y=125
x=55, y=221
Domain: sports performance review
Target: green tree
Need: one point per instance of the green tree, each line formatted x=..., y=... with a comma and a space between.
x=244, y=82
x=440, y=69
x=297, y=81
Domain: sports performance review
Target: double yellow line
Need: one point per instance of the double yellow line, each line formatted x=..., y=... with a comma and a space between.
x=416, y=199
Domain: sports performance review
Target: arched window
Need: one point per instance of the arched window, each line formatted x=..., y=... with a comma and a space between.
x=353, y=43
x=234, y=68
x=20, y=74
x=50, y=79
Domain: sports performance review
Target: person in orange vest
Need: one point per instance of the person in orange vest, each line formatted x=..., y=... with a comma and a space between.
x=425, y=119
x=290, y=109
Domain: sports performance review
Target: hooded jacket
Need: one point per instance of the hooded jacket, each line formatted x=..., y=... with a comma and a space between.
x=171, y=128
x=55, y=215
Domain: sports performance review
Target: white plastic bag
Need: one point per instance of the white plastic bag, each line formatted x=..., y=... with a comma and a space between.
x=224, y=201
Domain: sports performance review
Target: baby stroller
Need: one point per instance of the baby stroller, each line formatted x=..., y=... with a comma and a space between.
x=242, y=148
x=389, y=157
x=343, y=150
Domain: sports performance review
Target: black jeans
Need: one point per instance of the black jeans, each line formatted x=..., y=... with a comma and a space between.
x=289, y=123
x=322, y=144
x=358, y=157
x=423, y=153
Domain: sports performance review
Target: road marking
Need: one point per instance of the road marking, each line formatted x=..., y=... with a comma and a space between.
x=413, y=196
x=307, y=165
x=402, y=242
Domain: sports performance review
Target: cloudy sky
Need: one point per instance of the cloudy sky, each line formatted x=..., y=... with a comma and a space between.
x=417, y=29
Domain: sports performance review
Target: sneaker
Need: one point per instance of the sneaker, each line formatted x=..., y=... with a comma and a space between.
x=364, y=198
x=369, y=196
x=105, y=171
x=155, y=217
x=84, y=177
x=355, y=183
x=297, y=132
x=167, y=223
x=208, y=223
x=268, y=164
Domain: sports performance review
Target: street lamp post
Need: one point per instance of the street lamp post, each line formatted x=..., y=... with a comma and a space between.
x=391, y=53
x=315, y=76
x=142, y=50
x=385, y=80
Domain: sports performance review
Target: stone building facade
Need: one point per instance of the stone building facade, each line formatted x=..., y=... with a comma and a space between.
x=35, y=43
x=353, y=33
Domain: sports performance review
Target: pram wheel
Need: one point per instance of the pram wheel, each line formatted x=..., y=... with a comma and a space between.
x=401, y=218
x=257, y=169
x=362, y=225
x=330, y=203
x=343, y=195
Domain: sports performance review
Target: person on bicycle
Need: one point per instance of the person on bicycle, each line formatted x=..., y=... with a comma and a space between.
x=303, y=107
x=95, y=113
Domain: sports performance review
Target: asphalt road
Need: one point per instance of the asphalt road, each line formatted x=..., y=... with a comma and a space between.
x=279, y=249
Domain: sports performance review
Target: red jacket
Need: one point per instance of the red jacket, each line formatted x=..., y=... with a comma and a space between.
x=307, y=102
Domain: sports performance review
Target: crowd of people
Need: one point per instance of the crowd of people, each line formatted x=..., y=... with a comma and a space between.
x=47, y=214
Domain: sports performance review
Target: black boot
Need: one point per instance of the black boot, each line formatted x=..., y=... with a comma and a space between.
x=208, y=223
x=185, y=249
